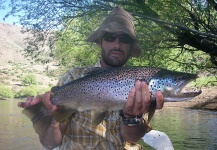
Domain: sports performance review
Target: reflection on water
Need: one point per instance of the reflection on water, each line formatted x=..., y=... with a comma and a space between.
x=187, y=129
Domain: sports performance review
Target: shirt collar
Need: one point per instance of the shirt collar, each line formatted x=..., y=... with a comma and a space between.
x=98, y=64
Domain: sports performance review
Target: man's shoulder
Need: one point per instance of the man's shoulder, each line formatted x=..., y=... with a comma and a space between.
x=74, y=73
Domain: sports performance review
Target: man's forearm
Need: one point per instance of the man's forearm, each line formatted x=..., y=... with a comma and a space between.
x=133, y=134
x=54, y=135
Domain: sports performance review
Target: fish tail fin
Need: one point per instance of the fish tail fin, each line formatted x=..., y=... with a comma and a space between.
x=152, y=109
x=40, y=117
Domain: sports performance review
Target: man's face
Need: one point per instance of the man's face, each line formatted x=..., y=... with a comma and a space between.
x=115, y=49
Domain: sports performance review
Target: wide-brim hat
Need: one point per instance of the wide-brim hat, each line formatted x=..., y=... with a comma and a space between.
x=118, y=20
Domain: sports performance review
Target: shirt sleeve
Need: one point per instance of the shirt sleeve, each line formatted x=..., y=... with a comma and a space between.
x=70, y=75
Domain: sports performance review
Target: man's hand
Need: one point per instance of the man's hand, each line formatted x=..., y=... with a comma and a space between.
x=55, y=132
x=138, y=101
x=45, y=98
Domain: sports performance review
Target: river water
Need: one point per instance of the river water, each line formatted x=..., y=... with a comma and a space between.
x=187, y=129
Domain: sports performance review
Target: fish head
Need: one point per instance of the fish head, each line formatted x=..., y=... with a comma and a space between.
x=172, y=84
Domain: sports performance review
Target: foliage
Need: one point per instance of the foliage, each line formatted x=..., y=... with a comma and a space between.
x=168, y=30
x=205, y=81
x=29, y=79
x=5, y=92
x=27, y=91
x=71, y=48
x=2, y=4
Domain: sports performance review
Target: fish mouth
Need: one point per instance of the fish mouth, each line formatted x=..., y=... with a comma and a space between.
x=183, y=92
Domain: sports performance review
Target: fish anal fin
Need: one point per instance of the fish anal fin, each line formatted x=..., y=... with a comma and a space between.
x=63, y=114
x=98, y=117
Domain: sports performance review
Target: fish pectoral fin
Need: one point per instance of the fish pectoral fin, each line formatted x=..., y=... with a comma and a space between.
x=63, y=114
x=98, y=117
x=40, y=117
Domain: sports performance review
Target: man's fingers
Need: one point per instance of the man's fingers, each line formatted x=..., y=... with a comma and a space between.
x=159, y=99
x=28, y=101
x=130, y=101
x=21, y=104
x=36, y=100
x=54, y=108
x=25, y=104
x=138, y=101
x=46, y=100
x=146, y=95
x=138, y=98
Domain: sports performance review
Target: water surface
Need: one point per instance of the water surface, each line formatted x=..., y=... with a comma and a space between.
x=16, y=131
x=188, y=129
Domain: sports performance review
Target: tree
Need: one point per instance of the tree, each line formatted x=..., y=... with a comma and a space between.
x=168, y=30
x=71, y=48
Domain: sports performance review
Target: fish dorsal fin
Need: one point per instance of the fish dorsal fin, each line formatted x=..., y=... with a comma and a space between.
x=98, y=117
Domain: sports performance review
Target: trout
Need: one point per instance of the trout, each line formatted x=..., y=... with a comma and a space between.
x=106, y=89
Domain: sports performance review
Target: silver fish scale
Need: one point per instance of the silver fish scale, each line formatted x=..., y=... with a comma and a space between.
x=108, y=88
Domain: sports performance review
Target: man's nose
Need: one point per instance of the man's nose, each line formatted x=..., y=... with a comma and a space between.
x=117, y=43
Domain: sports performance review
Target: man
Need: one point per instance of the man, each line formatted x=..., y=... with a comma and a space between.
x=117, y=39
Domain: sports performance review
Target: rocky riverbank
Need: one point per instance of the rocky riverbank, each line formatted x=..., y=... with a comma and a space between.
x=206, y=100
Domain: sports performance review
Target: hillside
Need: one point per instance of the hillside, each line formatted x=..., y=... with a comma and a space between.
x=11, y=43
x=13, y=65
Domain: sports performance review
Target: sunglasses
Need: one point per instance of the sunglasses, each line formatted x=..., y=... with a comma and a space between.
x=123, y=38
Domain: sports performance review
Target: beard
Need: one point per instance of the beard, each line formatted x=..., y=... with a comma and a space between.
x=112, y=61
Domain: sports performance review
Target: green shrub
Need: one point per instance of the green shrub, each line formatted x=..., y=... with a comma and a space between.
x=5, y=92
x=205, y=81
x=29, y=79
x=27, y=91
